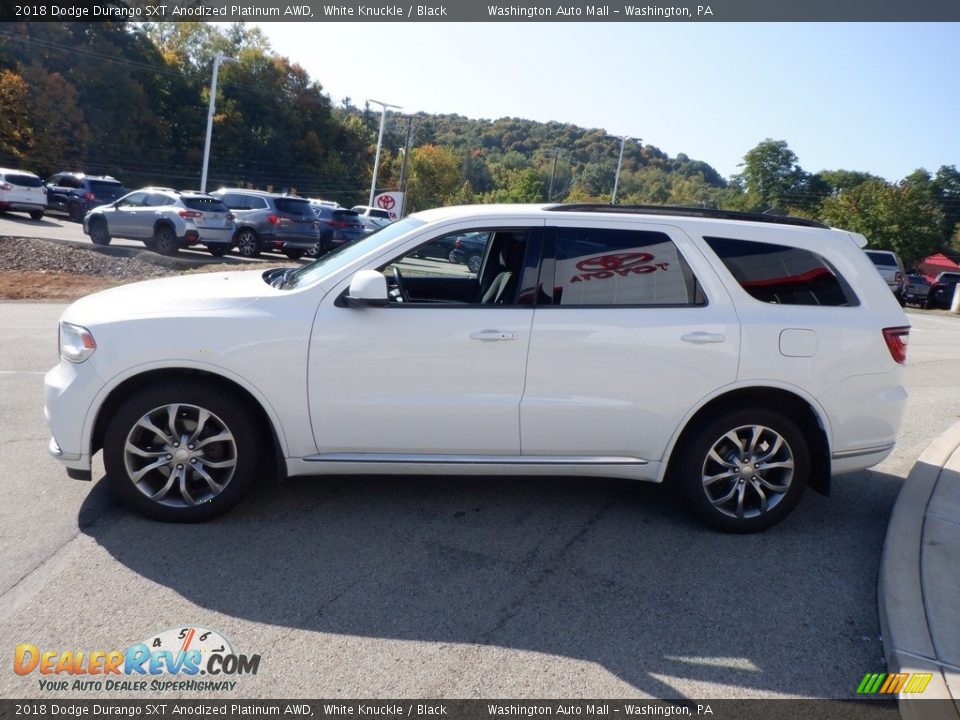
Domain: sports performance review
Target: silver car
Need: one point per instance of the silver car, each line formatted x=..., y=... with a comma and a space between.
x=165, y=220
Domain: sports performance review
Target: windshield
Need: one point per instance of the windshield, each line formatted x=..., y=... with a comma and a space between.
x=346, y=254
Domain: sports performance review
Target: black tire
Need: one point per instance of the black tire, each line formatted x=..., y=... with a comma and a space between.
x=164, y=241
x=99, y=233
x=248, y=243
x=473, y=263
x=201, y=502
x=76, y=212
x=694, y=466
x=326, y=241
x=218, y=250
x=314, y=251
x=294, y=254
x=36, y=214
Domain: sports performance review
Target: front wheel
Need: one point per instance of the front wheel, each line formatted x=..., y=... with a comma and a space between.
x=181, y=451
x=99, y=234
x=36, y=214
x=743, y=471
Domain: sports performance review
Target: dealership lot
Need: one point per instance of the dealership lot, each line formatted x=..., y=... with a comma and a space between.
x=456, y=587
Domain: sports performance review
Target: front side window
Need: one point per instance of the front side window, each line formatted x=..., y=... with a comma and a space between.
x=600, y=266
x=781, y=274
x=135, y=199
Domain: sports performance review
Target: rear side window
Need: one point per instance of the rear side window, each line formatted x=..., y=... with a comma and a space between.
x=294, y=207
x=204, y=204
x=105, y=187
x=23, y=180
x=621, y=267
x=884, y=259
x=345, y=215
x=781, y=274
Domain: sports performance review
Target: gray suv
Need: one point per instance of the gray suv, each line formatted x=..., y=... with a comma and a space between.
x=271, y=221
x=165, y=220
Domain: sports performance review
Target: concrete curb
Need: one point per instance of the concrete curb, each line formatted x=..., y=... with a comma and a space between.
x=919, y=584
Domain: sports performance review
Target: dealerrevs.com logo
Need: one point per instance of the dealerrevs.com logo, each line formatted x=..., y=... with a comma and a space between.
x=172, y=660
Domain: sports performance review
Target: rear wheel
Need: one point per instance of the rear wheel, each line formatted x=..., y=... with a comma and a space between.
x=75, y=212
x=181, y=451
x=473, y=263
x=294, y=254
x=248, y=244
x=99, y=234
x=36, y=214
x=314, y=251
x=742, y=471
x=165, y=241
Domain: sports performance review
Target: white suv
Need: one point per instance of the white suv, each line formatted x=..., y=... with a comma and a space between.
x=738, y=357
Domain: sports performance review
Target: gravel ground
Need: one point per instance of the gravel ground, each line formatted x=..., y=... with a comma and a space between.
x=118, y=264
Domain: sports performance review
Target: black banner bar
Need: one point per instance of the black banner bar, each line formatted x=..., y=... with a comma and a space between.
x=109, y=709
x=640, y=11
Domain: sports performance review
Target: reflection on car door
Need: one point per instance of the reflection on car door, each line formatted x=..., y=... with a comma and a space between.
x=123, y=220
x=631, y=335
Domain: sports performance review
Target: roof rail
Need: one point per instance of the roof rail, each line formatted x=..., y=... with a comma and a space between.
x=688, y=211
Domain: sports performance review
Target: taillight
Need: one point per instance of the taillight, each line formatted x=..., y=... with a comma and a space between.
x=88, y=196
x=6, y=186
x=896, y=339
x=190, y=213
x=273, y=219
x=458, y=244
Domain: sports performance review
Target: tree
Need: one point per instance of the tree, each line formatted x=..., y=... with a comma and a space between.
x=902, y=218
x=434, y=177
x=16, y=134
x=771, y=175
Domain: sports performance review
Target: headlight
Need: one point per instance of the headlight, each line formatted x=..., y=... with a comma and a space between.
x=76, y=343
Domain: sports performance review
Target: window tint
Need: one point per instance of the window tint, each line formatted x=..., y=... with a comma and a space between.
x=204, y=204
x=133, y=199
x=884, y=259
x=159, y=200
x=782, y=274
x=621, y=267
x=294, y=206
x=23, y=180
x=105, y=187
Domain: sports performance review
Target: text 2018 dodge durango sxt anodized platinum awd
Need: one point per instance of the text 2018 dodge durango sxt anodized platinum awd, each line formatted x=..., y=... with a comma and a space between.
x=738, y=356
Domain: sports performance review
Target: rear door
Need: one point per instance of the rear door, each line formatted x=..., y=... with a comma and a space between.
x=632, y=329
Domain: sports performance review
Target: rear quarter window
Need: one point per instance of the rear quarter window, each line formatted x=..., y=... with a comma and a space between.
x=781, y=274
x=882, y=259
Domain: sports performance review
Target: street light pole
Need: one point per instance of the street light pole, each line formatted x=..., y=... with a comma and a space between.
x=217, y=59
x=616, y=180
x=376, y=161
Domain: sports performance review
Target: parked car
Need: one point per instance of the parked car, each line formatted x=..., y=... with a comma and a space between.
x=368, y=211
x=737, y=357
x=890, y=267
x=165, y=220
x=76, y=193
x=941, y=292
x=22, y=191
x=947, y=276
x=272, y=221
x=372, y=224
x=468, y=250
x=915, y=290
x=338, y=226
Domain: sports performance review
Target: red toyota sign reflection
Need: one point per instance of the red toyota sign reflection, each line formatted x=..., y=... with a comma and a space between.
x=614, y=261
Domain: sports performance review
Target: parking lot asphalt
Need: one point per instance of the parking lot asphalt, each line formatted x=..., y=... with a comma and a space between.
x=457, y=587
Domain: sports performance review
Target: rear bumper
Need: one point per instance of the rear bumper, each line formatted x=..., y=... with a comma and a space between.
x=25, y=206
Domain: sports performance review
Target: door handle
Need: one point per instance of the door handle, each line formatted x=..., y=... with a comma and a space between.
x=703, y=338
x=493, y=335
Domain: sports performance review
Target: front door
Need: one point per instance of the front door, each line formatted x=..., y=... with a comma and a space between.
x=440, y=370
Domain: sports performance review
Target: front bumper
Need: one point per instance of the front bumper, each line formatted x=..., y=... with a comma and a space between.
x=69, y=391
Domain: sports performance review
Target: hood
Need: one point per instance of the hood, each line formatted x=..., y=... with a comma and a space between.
x=181, y=295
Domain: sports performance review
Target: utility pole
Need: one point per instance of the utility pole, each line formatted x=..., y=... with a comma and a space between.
x=403, y=165
x=556, y=154
x=376, y=161
x=217, y=59
x=616, y=180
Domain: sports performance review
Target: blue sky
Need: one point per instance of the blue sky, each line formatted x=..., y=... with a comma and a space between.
x=878, y=97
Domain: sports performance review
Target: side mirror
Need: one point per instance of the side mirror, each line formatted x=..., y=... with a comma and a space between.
x=368, y=288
